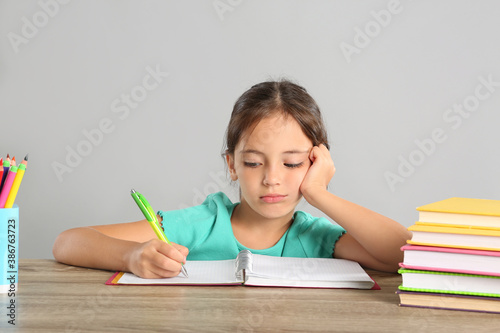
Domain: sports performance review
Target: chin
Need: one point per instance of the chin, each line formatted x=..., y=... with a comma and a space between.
x=275, y=211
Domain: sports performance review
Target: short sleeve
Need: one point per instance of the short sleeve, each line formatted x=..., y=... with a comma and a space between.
x=317, y=235
x=187, y=226
x=205, y=229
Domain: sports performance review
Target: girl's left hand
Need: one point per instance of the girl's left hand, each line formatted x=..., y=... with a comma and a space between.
x=319, y=174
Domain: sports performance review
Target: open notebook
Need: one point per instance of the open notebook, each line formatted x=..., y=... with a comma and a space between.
x=260, y=270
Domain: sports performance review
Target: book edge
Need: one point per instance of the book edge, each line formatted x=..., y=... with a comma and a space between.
x=425, y=208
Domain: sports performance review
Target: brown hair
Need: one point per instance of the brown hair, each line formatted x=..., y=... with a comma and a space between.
x=268, y=98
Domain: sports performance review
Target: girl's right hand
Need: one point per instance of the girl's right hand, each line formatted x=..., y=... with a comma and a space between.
x=156, y=259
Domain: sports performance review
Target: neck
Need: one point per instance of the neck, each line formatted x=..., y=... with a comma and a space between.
x=245, y=214
x=256, y=231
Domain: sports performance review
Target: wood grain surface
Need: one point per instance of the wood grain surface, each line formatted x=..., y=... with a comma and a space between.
x=53, y=297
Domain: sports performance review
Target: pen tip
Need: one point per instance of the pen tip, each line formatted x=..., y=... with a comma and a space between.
x=132, y=191
x=183, y=269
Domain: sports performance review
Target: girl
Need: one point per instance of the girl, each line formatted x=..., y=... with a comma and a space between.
x=277, y=149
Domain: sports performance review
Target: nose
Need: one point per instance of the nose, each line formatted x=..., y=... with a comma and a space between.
x=271, y=176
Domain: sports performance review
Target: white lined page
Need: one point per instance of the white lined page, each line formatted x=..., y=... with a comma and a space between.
x=200, y=272
x=316, y=269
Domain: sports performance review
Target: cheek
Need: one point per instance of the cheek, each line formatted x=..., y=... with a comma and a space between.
x=295, y=178
x=247, y=177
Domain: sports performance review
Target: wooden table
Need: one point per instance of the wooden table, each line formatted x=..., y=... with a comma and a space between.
x=53, y=297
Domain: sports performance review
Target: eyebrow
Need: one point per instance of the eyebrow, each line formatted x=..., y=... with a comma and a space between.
x=293, y=151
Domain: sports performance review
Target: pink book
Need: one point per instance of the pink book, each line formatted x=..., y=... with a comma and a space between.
x=455, y=260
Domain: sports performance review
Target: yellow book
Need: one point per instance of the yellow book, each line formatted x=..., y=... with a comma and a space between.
x=461, y=226
x=460, y=237
x=449, y=301
x=462, y=211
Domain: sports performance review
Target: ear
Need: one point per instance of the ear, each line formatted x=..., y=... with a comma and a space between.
x=230, y=166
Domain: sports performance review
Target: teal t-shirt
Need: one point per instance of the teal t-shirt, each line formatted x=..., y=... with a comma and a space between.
x=207, y=232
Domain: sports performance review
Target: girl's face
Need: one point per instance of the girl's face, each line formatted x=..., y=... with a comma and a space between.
x=270, y=163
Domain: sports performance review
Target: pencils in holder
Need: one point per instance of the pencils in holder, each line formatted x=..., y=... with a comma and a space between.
x=17, y=183
x=11, y=178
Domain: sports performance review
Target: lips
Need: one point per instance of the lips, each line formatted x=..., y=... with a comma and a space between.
x=272, y=198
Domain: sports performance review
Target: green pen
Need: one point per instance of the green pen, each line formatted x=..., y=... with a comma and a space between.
x=150, y=215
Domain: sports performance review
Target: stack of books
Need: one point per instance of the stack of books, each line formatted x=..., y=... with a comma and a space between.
x=453, y=259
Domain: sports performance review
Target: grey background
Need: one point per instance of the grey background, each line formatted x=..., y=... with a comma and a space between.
x=66, y=75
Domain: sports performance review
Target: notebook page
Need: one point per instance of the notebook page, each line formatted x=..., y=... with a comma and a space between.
x=319, y=269
x=200, y=272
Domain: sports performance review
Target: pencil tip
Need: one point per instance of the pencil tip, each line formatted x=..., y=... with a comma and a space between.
x=26, y=157
x=8, y=156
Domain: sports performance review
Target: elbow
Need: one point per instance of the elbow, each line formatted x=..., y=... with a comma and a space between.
x=59, y=249
x=391, y=265
x=388, y=267
x=392, y=268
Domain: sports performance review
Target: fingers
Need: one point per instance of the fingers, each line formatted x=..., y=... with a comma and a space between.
x=319, y=150
x=173, y=251
x=322, y=154
x=319, y=174
x=160, y=267
x=182, y=249
x=157, y=259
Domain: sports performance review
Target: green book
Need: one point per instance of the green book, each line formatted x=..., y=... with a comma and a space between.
x=450, y=283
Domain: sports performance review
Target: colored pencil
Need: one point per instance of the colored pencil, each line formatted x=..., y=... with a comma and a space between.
x=5, y=169
x=16, y=183
x=1, y=173
x=25, y=161
x=7, y=186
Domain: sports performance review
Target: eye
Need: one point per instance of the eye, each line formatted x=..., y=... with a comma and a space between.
x=296, y=165
x=251, y=164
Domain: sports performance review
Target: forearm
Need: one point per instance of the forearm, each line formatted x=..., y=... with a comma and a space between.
x=88, y=247
x=379, y=235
